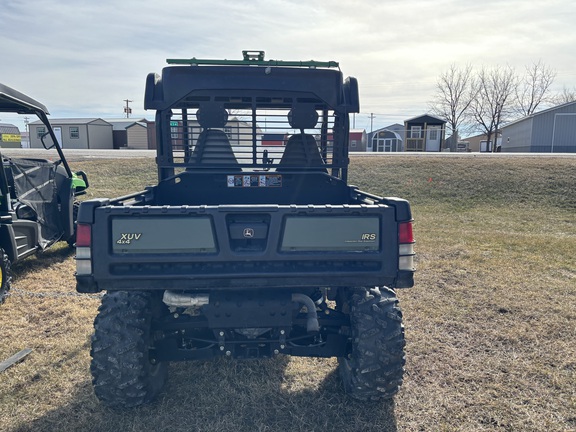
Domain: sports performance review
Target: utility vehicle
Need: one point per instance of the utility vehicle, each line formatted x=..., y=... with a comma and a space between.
x=37, y=196
x=252, y=244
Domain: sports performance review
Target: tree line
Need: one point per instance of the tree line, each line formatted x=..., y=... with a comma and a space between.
x=483, y=100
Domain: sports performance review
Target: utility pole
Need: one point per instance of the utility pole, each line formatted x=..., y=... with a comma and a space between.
x=127, y=109
x=372, y=116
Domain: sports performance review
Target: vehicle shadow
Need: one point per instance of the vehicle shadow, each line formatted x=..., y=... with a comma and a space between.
x=259, y=395
x=55, y=255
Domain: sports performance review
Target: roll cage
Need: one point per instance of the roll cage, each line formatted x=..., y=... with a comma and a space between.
x=15, y=102
x=251, y=115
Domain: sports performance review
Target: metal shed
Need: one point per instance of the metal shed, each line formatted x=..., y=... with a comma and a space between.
x=79, y=133
x=549, y=131
x=120, y=130
x=137, y=136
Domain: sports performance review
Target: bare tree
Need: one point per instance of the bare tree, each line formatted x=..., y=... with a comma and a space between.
x=492, y=106
x=454, y=95
x=567, y=95
x=533, y=89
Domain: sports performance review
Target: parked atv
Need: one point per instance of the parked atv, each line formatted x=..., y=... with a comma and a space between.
x=252, y=244
x=37, y=197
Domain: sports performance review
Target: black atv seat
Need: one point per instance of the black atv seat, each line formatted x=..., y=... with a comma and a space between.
x=213, y=146
x=301, y=152
x=302, y=149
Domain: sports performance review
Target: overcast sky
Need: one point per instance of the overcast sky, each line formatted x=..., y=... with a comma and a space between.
x=83, y=58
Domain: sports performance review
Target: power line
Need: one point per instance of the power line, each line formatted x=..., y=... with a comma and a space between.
x=372, y=122
x=127, y=109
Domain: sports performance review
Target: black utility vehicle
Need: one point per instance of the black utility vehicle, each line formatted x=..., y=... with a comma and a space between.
x=252, y=244
x=37, y=196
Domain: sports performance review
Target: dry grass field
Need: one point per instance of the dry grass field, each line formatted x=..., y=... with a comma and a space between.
x=490, y=324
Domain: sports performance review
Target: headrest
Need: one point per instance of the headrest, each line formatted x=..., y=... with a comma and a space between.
x=212, y=116
x=303, y=116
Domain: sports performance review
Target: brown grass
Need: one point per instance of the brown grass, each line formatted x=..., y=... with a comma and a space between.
x=490, y=323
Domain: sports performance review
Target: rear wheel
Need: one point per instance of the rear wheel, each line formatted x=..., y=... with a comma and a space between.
x=375, y=366
x=5, y=275
x=123, y=373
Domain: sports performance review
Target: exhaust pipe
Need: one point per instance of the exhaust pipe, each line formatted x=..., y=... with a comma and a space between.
x=312, y=325
x=175, y=299
x=184, y=300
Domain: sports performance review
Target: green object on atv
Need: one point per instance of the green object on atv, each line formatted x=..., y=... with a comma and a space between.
x=79, y=181
x=253, y=58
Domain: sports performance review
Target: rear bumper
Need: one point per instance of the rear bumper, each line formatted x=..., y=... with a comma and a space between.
x=88, y=284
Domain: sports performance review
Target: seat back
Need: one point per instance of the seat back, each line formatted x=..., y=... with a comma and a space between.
x=302, y=150
x=213, y=146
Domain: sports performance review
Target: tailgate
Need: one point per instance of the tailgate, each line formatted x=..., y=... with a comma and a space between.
x=192, y=247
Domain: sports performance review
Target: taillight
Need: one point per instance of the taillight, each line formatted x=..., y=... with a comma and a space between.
x=83, y=235
x=83, y=253
x=405, y=234
x=406, y=246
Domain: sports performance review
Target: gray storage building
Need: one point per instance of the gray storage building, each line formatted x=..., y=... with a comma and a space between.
x=549, y=131
x=80, y=133
x=388, y=139
x=137, y=134
x=124, y=137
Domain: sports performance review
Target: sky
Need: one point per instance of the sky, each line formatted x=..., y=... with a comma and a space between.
x=82, y=58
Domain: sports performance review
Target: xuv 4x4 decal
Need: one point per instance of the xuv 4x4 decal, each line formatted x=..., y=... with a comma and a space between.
x=127, y=238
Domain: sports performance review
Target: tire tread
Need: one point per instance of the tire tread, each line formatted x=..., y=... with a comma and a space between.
x=375, y=367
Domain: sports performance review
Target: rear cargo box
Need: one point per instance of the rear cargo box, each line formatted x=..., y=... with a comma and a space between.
x=236, y=246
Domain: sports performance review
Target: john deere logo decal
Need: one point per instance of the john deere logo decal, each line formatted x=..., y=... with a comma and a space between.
x=248, y=232
x=128, y=238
